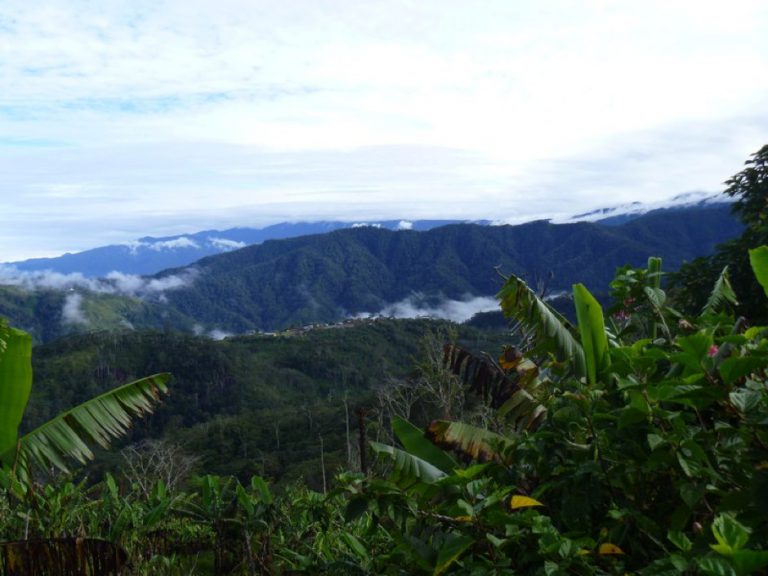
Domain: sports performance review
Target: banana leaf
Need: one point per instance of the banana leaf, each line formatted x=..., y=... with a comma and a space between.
x=722, y=293
x=758, y=258
x=553, y=332
x=475, y=443
x=414, y=441
x=407, y=466
x=15, y=384
x=592, y=327
x=97, y=421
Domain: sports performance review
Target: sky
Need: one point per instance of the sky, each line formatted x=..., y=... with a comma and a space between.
x=120, y=119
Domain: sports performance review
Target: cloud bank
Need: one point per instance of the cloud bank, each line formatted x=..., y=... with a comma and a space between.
x=114, y=283
x=159, y=118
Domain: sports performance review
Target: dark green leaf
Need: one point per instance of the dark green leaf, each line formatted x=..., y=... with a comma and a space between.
x=749, y=561
x=734, y=368
x=450, y=551
x=414, y=441
x=680, y=540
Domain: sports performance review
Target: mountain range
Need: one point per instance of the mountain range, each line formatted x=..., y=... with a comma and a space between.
x=150, y=255
x=322, y=278
x=449, y=271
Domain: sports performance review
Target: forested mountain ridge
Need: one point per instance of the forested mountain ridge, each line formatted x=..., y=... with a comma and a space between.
x=150, y=255
x=325, y=277
x=365, y=270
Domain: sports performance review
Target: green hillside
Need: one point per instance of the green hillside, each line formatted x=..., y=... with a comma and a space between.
x=41, y=312
x=322, y=278
x=246, y=405
x=329, y=277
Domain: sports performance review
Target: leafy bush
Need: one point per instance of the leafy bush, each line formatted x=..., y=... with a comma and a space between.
x=651, y=455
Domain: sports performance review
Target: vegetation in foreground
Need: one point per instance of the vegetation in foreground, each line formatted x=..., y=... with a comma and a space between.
x=634, y=441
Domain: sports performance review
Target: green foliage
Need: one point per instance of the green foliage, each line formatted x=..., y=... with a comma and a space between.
x=15, y=384
x=666, y=438
x=66, y=435
x=252, y=405
x=98, y=421
x=551, y=331
x=758, y=258
x=694, y=280
x=594, y=342
x=413, y=440
x=722, y=294
x=648, y=459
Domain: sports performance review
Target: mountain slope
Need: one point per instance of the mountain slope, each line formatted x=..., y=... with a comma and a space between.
x=150, y=255
x=325, y=277
x=365, y=270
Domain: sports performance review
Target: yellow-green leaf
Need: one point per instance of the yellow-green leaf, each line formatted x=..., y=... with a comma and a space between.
x=609, y=549
x=518, y=501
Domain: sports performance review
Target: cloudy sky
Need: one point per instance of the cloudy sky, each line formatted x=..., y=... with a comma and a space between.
x=120, y=119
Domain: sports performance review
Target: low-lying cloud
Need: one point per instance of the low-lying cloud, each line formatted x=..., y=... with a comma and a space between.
x=226, y=244
x=181, y=242
x=414, y=306
x=72, y=311
x=114, y=283
x=214, y=334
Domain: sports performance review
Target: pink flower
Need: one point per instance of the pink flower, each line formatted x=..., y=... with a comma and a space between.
x=712, y=350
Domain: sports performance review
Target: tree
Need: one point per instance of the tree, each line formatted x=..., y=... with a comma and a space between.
x=68, y=435
x=691, y=283
x=750, y=187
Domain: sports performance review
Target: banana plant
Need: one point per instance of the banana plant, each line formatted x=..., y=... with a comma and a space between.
x=69, y=435
x=585, y=347
x=551, y=331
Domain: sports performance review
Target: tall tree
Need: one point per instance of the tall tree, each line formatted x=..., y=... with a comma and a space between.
x=692, y=282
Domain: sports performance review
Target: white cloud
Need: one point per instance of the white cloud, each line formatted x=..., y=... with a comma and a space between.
x=226, y=244
x=455, y=310
x=404, y=225
x=149, y=117
x=47, y=280
x=141, y=285
x=217, y=334
x=72, y=312
x=114, y=283
x=181, y=242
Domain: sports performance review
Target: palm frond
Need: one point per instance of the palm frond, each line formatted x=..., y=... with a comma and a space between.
x=96, y=421
x=722, y=293
x=552, y=331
